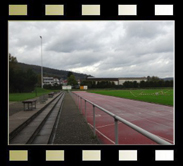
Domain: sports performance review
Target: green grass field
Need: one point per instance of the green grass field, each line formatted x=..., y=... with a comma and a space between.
x=159, y=96
x=25, y=96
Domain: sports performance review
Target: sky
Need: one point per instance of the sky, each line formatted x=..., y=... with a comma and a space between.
x=97, y=48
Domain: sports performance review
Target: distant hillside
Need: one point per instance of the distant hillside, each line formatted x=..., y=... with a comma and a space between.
x=51, y=72
x=167, y=78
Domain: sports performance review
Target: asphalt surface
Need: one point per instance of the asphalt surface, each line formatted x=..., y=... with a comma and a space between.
x=72, y=127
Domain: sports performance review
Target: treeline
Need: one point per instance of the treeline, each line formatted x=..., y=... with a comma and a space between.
x=128, y=84
x=148, y=84
x=101, y=84
x=53, y=87
x=20, y=80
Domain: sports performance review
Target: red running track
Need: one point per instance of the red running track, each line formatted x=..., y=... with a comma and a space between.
x=155, y=118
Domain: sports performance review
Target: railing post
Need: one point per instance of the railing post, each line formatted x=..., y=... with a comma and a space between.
x=94, y=120
x=85, y=111
x=116, y=130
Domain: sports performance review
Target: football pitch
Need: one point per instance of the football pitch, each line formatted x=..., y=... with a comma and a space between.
x=159, y=96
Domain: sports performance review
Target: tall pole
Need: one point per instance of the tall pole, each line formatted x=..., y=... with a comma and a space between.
x=41, y=65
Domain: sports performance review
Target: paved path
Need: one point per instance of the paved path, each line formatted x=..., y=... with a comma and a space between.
x=17, y=115
x=72, y=127
x=15, y=107
x=155, y=118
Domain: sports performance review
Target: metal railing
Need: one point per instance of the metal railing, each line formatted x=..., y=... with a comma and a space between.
x=116, y=119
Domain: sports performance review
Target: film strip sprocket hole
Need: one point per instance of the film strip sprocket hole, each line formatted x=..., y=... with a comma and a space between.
x=91, y=155
x=91, y=10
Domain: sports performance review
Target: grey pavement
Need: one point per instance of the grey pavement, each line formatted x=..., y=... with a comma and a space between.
x=15, y=107
x=72, y=127
x=17, y=115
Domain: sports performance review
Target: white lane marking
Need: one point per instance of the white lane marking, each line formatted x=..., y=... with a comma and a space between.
x=103, y=135
x=112, y=124
x=154, y=114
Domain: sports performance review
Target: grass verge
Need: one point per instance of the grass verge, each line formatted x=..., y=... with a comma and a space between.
x=24, y=96
x=159, y=96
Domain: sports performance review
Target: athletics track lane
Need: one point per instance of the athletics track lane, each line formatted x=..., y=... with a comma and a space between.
x=155, y=118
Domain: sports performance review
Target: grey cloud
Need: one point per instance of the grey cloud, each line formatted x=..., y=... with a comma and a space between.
x=148, y=29
x=135, y=43
x=120, y=48
x=74, y=38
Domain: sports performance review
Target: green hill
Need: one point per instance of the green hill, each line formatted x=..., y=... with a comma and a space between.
x=51, y=72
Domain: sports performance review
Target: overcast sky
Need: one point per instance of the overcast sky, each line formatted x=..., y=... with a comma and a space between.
x=98, y=48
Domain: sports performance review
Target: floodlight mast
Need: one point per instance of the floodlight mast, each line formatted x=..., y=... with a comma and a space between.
x=41, y=65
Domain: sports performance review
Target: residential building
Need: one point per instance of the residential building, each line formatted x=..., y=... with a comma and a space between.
x=50, y=81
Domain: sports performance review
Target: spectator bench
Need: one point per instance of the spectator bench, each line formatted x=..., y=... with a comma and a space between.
x=50, y=95
x=29, y=104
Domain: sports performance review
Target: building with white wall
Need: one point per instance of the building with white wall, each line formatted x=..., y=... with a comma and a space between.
x=50, y=81
x=131, y=79
x=67, y=87
x=56, y=81
x=99, y=79
x=47, y=80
